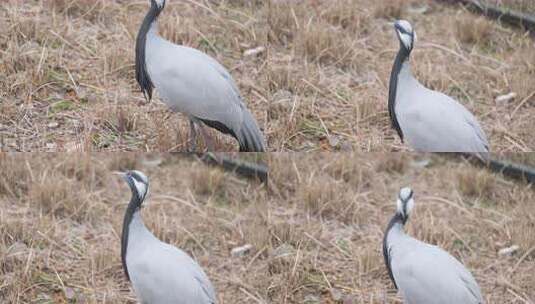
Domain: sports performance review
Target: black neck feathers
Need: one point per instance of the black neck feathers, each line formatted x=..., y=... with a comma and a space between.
x=133, y=207
x=397, y=218
x=401, y=57
x=142, y=75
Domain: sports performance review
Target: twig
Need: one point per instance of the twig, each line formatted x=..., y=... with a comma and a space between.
x=524, y=101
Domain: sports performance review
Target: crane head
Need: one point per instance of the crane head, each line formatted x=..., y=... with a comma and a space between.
x=138, y=182
x=160, y=4
x=405, y=203
x=405, y=33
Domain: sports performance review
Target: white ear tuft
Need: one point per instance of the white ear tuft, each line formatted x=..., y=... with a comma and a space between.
x=405, y=201
x=141, y=188
x=406, y=40
x=160, y=3
x=141, y=176
x=408, y=208
x=399, y=206
x=405, y=193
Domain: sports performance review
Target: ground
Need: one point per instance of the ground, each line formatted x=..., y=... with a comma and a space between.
x=61, y=220
x=331, y=61
x=319, y=83
x=329, y=212
x=316, y=232
x=67, y=76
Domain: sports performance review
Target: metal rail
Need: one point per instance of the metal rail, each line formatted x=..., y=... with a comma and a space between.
x=510, y=17
x=509, y=169
x=512, y=170
x=245, y=169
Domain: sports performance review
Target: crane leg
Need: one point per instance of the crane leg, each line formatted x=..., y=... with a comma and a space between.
x=192, y=136
x=207, y=138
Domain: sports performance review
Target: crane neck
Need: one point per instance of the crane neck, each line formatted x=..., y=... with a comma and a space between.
x=149, y=27
x=395, y=226
x=153, y=28
x=401, y=67
x=132, y=215
x=150, y=22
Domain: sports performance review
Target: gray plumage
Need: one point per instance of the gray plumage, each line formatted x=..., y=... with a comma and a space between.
x=428, y=120
x=191, y=82
x=160, y=273
x=423, y=273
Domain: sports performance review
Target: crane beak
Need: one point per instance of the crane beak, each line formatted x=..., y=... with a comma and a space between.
x=124, y=175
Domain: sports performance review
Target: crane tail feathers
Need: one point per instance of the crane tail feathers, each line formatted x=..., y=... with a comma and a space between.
x=250, y=137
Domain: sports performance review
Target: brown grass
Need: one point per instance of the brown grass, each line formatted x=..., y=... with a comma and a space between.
x=330, y=65
x=524, y=6
x=474, y=30
x=327, y=241
x=67, y=75
x=390, y=9
x=475, y=184
x=316, y=233
x=67, y=78
x=61, y=217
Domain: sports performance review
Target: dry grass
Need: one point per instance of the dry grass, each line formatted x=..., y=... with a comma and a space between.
x=524, y=6
x=61, y=218
x=476, y=31
x=67, y=78
x=67, y=75
x=316, y=234
x=330, y=64
x=327, y=241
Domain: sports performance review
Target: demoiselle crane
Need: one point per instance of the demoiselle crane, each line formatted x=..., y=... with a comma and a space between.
x=423, y=273
x=159, y=272
x=193, y=83
x=430, y=121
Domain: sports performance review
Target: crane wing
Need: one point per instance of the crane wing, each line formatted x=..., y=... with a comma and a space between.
x=428, y=274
